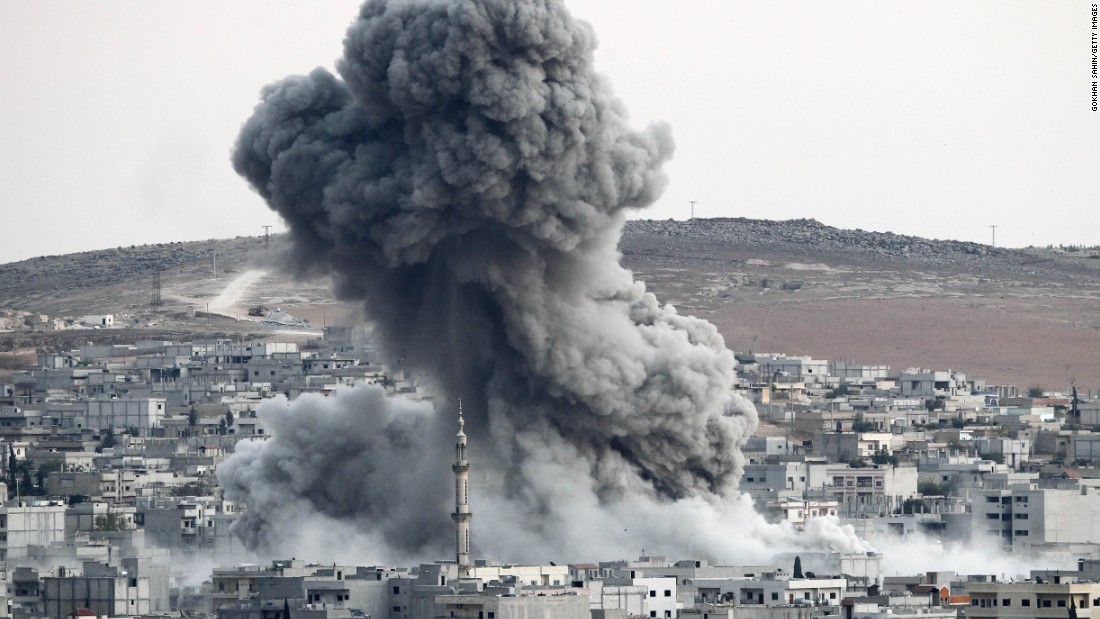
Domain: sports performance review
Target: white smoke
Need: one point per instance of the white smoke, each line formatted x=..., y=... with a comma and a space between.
x=360, y=476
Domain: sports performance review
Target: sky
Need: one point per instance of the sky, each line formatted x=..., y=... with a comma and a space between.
x=937, y=119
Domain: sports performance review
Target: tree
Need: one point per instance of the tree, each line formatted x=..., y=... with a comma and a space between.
x=1035, y=391
x=883, y=457
x=997, y=457
x=26, y=486
x=798, y=567
x=192, y=419
x=109, y=522
x=931, y=488
x=42, y=473
x=229, y=419
x=912, y=506
x=13, y=466
x=108, y=439
x=857, y=463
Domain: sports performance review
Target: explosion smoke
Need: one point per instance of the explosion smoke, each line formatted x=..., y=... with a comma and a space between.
x=467, y=179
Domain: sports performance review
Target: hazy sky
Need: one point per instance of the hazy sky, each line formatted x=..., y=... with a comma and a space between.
x=931, y=118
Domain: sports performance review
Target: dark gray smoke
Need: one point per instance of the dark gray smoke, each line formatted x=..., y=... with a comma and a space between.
x=467, y=177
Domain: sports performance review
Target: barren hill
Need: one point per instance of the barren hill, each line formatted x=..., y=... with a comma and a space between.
x=1025, y=317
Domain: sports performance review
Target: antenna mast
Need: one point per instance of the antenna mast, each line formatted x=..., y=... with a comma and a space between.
x=156, y=287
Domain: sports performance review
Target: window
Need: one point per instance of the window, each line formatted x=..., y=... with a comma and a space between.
x=492, y=614
x=990, y=499
x=1020, y=516
x=1025, y=602
x=993, y=516
x=1045, y=603
x=652, y=594
x=775, y=595
x=668, y=593
x=1061, y=603
x=1006, y=602
x=652, y=613
x=832, y=595
x=396, y=590
x=396, y=609
x=1021, y=532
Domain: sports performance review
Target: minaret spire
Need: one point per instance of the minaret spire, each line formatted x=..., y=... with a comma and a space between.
x=462, y=514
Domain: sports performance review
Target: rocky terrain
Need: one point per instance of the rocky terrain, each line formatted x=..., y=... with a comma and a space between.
x=1027, y=317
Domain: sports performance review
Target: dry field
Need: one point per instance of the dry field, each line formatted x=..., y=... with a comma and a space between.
x=1009, y=316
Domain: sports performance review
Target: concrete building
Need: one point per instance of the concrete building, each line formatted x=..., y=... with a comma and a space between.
x=191, y=526
x=795, y=369
x=798, y=511
x=852, y=372
x=845, y=446
x=1032, y=599
x=1084, y=449
x=29, y=523
x=773, y=589
x=118, y=414
x=1029, y=518
x=493, y=605
x=660, y=596
x=106, y=590
x=872, y=489
x=925, y=384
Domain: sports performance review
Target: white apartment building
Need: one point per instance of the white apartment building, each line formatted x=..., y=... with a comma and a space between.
x=1027, y=516
x=29, y=523
x=1029, y=599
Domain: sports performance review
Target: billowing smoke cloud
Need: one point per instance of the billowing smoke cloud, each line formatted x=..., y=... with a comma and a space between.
x=467, y=177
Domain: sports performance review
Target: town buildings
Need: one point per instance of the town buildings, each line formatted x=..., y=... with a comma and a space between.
x=110, y=452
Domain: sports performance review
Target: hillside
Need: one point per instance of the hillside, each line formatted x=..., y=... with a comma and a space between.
x=1015, y=316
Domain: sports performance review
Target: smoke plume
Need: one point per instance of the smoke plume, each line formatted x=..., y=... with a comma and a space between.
x=466, y=177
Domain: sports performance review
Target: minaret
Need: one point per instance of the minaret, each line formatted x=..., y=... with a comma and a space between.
x=462, y=515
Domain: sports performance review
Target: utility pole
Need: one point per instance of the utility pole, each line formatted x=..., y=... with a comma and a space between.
x=267, y=234
x=994, y=244
x=156, y=287
x=692, y=208
x=215, y=265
